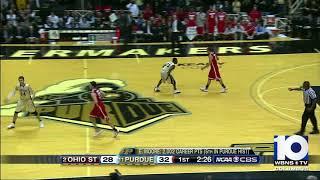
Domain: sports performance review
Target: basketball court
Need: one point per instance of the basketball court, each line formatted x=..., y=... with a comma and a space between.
x=256, y=107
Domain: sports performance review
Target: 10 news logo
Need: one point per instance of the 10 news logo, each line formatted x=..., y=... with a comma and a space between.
x=291, y=150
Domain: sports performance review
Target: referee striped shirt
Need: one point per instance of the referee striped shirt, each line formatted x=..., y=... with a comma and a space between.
x=309, y=95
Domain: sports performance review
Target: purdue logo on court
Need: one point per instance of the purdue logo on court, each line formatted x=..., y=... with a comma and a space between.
x=70, y=101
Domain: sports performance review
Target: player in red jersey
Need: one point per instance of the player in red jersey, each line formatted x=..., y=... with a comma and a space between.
x=221, y=19
x=99, y=110
x=211, y=19
x=214, y=73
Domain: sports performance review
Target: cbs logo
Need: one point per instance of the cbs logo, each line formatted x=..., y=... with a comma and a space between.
x=245, y=159
x=291, y=148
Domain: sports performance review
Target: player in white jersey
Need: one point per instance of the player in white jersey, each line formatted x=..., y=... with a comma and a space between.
x=25, y=103
x=166, y=75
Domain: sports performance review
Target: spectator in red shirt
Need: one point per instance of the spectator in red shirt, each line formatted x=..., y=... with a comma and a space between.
x=180, y=14
x=249, y=30
x=211, y=20
x=221, y=20
x=147, y=12
x=192, y=17
x=255, y=14
x=158, y=20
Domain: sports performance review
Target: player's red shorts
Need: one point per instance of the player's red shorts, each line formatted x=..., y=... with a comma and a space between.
x=200, y=30
x=211, y=28
x=99, y=111
x=214, y=73
x=221, y=28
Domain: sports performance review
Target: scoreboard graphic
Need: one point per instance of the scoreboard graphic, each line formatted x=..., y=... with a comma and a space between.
x=286, y=150
x=153, y=156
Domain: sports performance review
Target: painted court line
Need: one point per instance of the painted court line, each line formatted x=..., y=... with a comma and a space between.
x=279, y=107
x=268, y=105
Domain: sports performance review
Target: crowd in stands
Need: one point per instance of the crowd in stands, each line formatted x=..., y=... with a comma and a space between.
x=307, y=23
x=149, y=20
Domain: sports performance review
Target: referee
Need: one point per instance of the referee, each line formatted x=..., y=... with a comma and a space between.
x=310, y=101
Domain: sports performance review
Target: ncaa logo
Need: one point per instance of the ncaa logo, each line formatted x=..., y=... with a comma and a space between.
x=293, y=148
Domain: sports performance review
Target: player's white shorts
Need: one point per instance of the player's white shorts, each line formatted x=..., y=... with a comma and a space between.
x=25, y=106
x=165, y=77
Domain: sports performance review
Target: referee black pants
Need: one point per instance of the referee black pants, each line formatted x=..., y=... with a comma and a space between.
x=305, y=117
